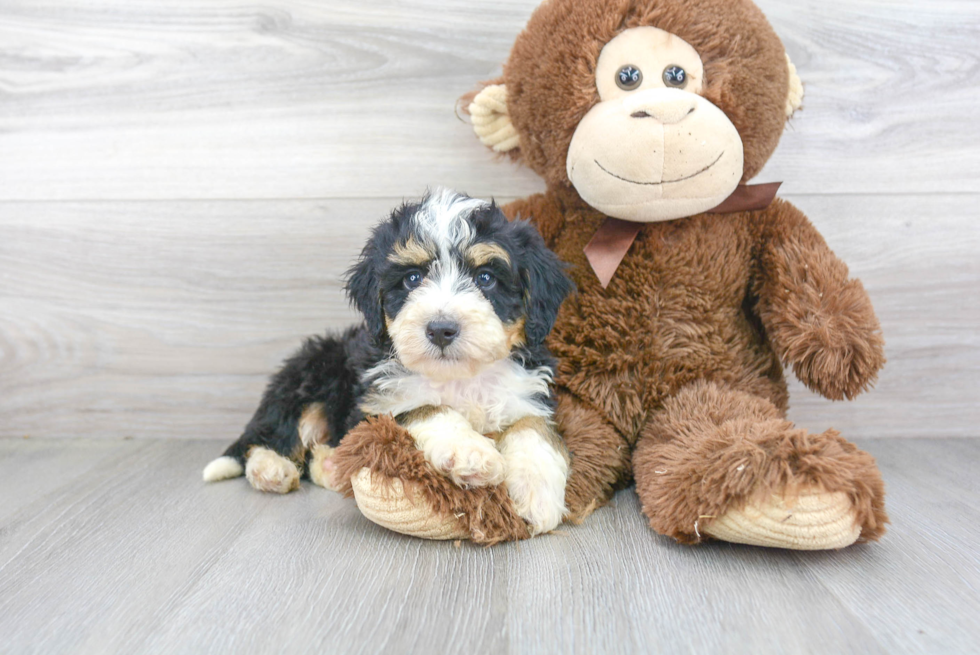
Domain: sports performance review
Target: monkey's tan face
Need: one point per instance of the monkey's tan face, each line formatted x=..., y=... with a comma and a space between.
x=653, y=149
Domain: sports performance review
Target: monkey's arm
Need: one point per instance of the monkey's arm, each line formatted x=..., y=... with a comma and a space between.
x=819, y=320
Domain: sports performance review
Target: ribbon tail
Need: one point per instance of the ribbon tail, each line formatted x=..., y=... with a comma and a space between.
x=609, y=245
x=748, y=197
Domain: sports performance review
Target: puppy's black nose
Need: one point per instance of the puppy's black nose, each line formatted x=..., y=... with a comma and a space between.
x=442, y=332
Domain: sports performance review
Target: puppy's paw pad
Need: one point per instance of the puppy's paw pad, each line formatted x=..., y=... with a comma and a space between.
x=469, y=463
x=271, y=472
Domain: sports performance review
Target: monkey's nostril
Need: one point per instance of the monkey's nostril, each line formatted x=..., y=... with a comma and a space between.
x=442, y=332
x=640, y=114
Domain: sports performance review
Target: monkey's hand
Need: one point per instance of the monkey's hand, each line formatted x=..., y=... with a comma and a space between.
x=819, y=320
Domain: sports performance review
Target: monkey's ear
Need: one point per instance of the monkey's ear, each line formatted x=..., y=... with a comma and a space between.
x=794, y=98
x=491, y=119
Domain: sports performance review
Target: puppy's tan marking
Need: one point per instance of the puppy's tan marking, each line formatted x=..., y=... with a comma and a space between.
x=418, y=415
x=515, y=333
x=483, y=253
x=410, y=253
x=312, y=427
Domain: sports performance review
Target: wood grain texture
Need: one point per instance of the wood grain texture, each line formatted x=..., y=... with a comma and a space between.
x=163, y=319
x=35, y=468
x=182, y=185
x=918, y=258
x=136, y=555
x=930, y=489
x=124, y=99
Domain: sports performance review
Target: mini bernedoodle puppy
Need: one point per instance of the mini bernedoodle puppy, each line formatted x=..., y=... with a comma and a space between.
x=457, y=302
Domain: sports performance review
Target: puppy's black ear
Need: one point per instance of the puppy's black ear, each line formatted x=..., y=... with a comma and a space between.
x=545, y=283
x=363, y=288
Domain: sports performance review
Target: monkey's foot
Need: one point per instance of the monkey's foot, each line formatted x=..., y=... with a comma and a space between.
x=721, y=463
x=384, y=501
x=809, y=520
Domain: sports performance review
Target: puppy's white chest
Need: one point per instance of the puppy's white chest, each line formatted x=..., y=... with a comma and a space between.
x=491, y=401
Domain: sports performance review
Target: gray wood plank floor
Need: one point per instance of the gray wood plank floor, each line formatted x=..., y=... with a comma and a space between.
x=117, y=547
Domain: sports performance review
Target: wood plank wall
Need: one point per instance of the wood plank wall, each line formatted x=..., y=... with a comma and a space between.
x=182, y=185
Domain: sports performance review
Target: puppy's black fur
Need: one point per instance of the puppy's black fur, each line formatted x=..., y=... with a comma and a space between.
x=326, y=369
x=331, y=369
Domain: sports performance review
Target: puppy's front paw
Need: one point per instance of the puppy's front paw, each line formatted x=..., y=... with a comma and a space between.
x=471, y=461
x=269, y=471
x=536, y=477
x=537, y=499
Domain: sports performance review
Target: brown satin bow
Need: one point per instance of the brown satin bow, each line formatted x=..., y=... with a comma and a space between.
x=614, y=237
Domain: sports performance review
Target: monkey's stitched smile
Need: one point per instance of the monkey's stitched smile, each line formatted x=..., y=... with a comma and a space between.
x=680, y=179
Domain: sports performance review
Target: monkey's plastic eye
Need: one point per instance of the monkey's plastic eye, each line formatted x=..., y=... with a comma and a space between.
x=675, y=76
x=485, y=280
x=629, y=77
x=412, y=280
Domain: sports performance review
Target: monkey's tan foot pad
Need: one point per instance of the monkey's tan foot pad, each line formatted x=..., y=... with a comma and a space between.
x=810, y=520
x=385, y=502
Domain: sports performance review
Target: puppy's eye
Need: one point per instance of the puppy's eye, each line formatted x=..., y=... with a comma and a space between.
x=675, y=76
x=485, y=280
x=629, y=77
x=412, y=280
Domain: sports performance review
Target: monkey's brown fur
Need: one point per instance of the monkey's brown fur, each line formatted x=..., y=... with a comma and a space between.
x=672, y=375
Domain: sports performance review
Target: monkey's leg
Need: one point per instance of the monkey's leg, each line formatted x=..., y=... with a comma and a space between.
x=600, y=456
x=723, y=463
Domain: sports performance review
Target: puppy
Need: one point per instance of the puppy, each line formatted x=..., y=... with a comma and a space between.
x=457, y=302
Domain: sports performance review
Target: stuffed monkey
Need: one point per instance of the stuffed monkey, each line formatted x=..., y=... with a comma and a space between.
x=646, y=118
